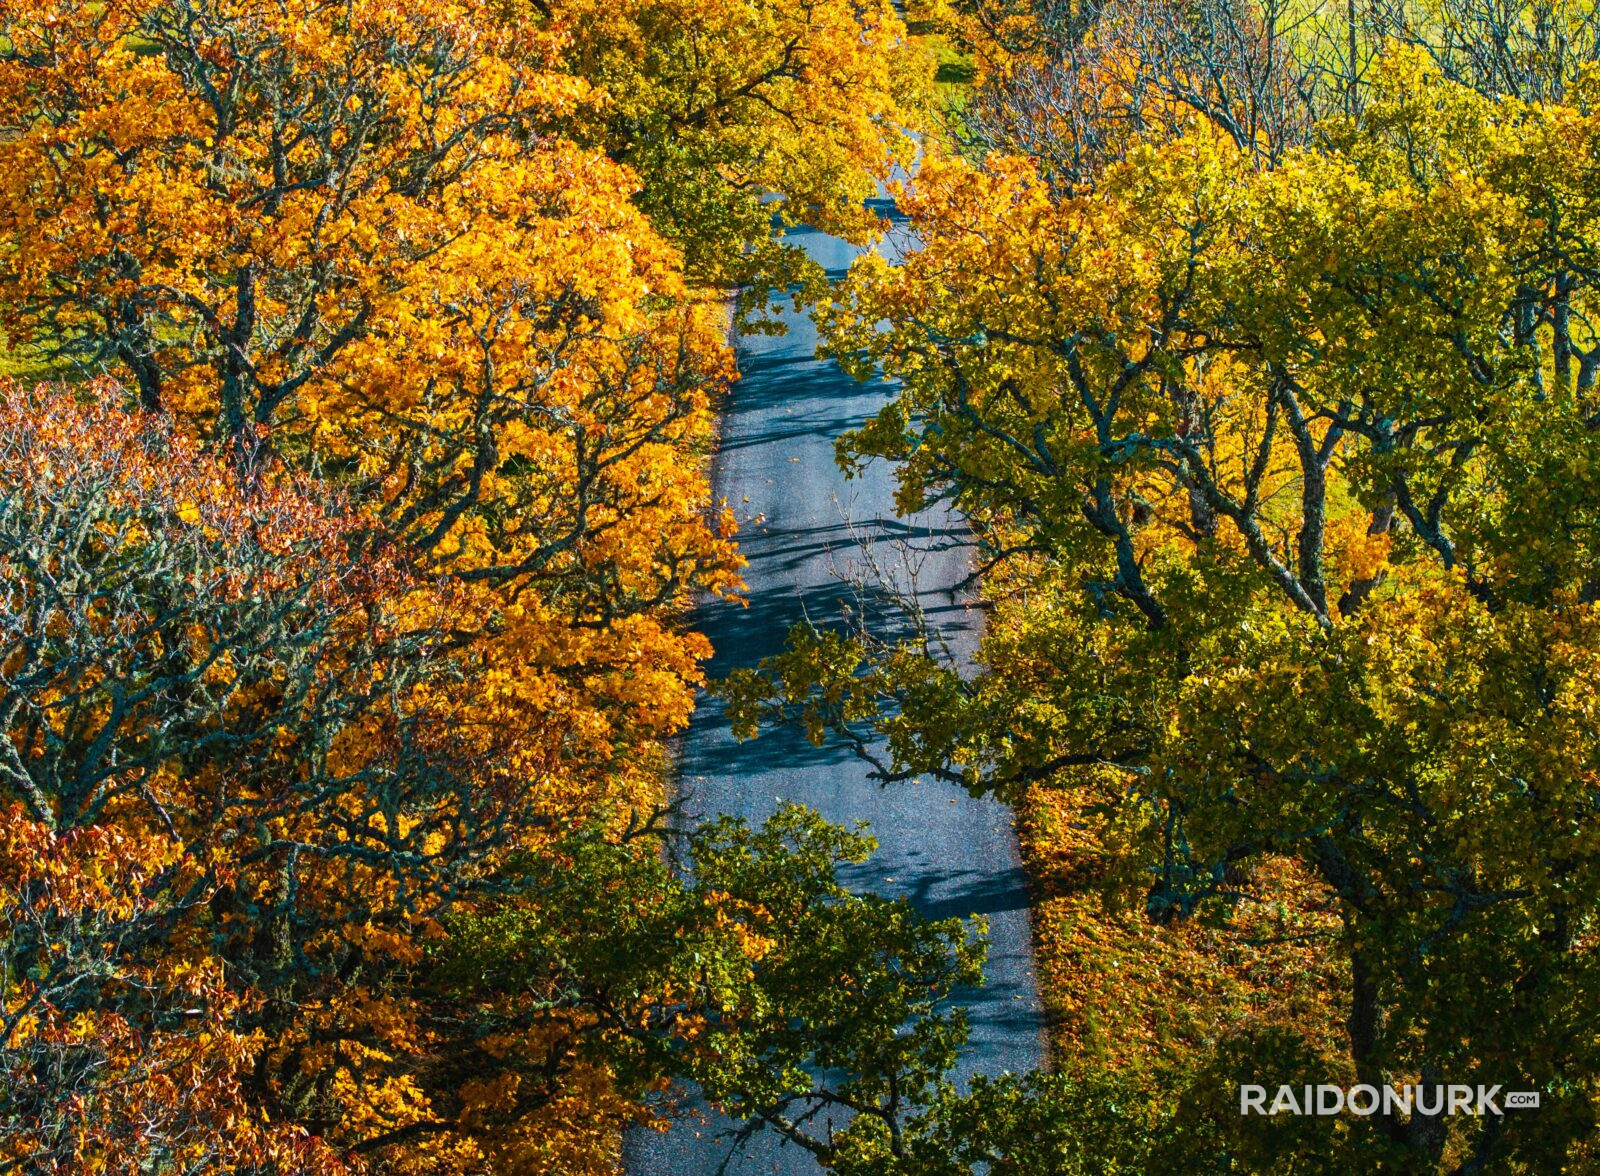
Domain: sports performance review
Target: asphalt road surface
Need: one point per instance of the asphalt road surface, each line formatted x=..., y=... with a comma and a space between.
x=806, y=531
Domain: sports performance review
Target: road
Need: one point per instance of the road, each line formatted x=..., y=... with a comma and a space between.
x=951, y=854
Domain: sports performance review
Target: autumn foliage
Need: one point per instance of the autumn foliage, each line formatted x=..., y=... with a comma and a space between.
x=1282, y=467
x=345, y=555
x=346, y=591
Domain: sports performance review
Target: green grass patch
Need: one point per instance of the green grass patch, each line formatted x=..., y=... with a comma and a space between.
x=26, y=363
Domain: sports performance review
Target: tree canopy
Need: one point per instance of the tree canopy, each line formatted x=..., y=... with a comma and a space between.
x=345, y=552
x=1282, y=473
x=342, y=568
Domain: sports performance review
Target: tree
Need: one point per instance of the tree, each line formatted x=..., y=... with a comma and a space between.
x=719, y=106
x=789, y=1001
x=1283, y=480
x=111, y=1055
x=262, y=866
x=358, y=231
x=222, y=795
x=1075, y=86
x=354, y=279
x=348, y=584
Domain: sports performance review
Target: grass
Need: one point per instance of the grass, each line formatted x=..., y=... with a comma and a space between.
x=953, y=71
x=25, y=363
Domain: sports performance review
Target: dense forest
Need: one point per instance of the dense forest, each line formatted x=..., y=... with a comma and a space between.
x=362, y=369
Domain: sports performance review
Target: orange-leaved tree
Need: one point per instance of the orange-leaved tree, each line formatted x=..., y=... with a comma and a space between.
x=351, y=602
x=370, y=594
x=184, y=662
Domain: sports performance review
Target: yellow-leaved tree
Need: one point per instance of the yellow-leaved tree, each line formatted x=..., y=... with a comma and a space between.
x=721, y=107
x=347, y=590
x=1284, y=474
